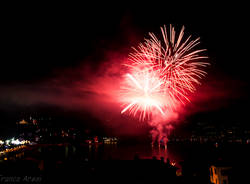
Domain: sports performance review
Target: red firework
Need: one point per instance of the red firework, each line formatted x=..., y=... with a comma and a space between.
x=163, y=72
x=143, y=91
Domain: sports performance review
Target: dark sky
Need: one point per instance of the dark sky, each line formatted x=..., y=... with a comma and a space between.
x=41, y=43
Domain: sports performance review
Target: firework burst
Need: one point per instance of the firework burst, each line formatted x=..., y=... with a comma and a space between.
x=170, y=68
x=143, y=91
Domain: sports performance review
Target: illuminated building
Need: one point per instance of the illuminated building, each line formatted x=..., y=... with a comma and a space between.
x=219, y=174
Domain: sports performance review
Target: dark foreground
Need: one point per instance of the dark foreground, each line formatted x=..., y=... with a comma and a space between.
x=183, y=163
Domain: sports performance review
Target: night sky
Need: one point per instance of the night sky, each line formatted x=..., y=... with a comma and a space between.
x=50, y=54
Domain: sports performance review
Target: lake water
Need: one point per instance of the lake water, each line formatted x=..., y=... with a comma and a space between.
x=197, y=157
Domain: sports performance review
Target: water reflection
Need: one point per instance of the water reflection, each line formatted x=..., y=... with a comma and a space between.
x=129, y=152
x=190, y=159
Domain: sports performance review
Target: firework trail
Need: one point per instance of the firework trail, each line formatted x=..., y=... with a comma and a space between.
x=162, y=74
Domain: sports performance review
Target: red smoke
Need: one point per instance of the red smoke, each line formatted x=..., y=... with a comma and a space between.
x=96, y=90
